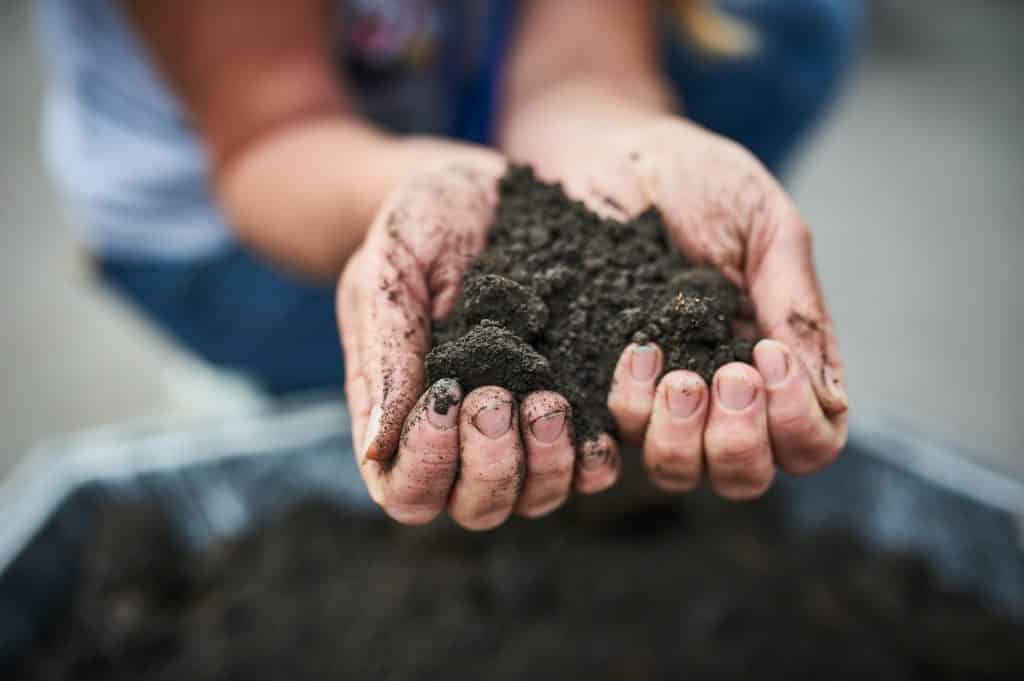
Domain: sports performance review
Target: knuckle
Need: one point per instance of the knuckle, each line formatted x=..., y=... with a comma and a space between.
x=543, y=504
x=554, y=467
x=812, y=459
x=409, y=513
x=498, y=469
x=792, y=228
x=621, y=403
x=804, y=432
x=746, y=487
x=593, y=483
x=434, y=466
x=674, y=476
x=482, y=519
x=421, y=491
x=742, y=491
x=671, y=455
x=737, y=450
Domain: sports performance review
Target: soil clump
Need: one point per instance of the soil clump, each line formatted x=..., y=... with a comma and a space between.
x=559, y=292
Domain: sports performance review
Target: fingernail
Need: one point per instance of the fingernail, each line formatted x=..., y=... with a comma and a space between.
x=594, y=454
x=643, y=362
x=494, y=421
x=445, y=396
x=372, y=430
x=684, y=397
x=773, y=363
x=835, y=386
x=734, y=391
x=547, y=428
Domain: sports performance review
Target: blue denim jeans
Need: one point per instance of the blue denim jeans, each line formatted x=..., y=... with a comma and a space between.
x=236, y=311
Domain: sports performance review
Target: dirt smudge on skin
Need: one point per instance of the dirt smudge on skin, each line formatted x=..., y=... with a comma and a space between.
x=445, y=394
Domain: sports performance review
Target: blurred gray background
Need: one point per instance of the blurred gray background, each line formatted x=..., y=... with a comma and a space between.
x=914, y=188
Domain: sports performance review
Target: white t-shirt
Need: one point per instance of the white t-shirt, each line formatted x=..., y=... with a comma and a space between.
x=128, y=162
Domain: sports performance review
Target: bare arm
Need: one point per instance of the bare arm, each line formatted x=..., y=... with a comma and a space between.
x=585, y=103
x=579, y=56
x=298, y=175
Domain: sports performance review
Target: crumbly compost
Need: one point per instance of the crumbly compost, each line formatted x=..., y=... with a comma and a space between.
x=656, y=588
x=559, y=292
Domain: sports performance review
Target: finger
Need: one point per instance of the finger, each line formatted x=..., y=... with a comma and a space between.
x=413, y=488
x=416, y=252
x=803, y=438
x=356, y=388
x=674, y=447
x=597, y=465
x=632, y=393
x=394, y=335
x=545, y=419
x=791, y=306
x=492, y=460
x=736, y=444
x=732, y=214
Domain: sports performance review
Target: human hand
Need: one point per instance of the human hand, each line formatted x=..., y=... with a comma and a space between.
x=724, y=209
x=481, y=456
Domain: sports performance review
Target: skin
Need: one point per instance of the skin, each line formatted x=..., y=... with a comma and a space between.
x=595, y=115
x=258, y=80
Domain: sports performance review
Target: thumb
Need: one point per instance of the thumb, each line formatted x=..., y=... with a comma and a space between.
x=790, y=306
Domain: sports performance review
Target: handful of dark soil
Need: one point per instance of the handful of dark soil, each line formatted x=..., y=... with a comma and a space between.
x=559, y=293
x=609, y=589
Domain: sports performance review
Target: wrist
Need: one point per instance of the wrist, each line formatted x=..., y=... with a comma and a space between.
x=576, y=111
x=413, y=155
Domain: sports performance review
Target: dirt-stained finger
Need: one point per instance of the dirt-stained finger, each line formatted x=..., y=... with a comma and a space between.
x=411, y=267
x=598, y=464
x=736, y=443
x=631, y=396
x=673, y=447
x=791, y=307
x=356, y=387
x=414, y=486
x=804, y=439
x=545, y=422
x=492, y=460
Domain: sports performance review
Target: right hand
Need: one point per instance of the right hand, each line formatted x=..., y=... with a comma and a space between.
x=486, y=456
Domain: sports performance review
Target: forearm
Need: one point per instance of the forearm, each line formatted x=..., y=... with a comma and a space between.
x=577, y=64
x=305, y=195
x=296, y=172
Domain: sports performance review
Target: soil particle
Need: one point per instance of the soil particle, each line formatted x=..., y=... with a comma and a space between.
x=445, y=396
x=489, y=354
x=642, y=587
x=559, y=292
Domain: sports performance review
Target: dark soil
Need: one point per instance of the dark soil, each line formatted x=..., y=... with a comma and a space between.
x=658, y=588
x=559, y=293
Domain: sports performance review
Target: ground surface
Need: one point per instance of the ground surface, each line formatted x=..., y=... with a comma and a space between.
x=914, y=193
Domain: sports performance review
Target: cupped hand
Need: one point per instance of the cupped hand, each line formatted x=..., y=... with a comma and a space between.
x=724, y=209
x=422, y=450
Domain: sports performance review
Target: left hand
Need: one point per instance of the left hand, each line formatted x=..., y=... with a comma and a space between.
x=724, y=209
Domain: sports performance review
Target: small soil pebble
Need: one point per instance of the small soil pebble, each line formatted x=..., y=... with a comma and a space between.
x=645, y=588
x=559, y=292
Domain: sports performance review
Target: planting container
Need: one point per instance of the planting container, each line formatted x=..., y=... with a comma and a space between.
x=217, y=478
